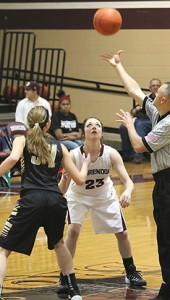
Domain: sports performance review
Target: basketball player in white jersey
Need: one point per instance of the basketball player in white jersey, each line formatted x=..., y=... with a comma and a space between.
x=98, y=195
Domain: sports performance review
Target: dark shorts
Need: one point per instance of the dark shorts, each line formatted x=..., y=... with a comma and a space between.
x=161, y=202
x=34, y=210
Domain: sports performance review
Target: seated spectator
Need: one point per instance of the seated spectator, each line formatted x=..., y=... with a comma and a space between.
x=32, y=91
x=2, y=143
x=64, y=124
x=143, y=127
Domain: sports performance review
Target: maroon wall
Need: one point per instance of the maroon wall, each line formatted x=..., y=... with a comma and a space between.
x=137, y=18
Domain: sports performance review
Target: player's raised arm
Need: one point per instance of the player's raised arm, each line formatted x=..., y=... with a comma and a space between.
x=78, y=176
x=131, y=86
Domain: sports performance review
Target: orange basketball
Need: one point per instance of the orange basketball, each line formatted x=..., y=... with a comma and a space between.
x=107, y=20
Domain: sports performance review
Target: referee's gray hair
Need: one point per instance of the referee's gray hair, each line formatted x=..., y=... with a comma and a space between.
x=167, y=90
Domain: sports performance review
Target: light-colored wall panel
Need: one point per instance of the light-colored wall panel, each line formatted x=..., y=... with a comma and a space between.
x=144, y=57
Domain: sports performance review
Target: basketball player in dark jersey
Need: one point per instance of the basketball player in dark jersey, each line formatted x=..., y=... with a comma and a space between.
x=41, y=202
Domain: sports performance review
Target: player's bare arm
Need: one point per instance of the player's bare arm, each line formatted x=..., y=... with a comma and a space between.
x=65, y=178
x=68, y=164
x=120, y=169
x=13, y=158
x=64, y=181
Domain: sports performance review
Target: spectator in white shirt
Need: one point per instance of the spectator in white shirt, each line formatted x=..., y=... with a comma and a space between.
x=32, y=99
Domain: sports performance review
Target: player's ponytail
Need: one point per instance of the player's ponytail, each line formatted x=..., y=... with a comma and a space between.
x=37, y=118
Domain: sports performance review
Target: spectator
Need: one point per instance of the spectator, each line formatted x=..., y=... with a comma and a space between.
x=64, y=124
x=142, y=124
x=3, y=144
x=32, y=91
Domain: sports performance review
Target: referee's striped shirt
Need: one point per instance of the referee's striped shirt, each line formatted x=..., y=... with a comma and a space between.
x=158, y=139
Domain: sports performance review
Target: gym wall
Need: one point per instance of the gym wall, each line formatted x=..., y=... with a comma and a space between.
x=144, y=39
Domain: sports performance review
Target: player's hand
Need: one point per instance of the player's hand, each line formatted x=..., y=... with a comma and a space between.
x=113, y=59
x=65, y=174
x=125, y=199
x=86, y=158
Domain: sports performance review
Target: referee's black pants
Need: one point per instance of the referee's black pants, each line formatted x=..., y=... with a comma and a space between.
x=161, y=203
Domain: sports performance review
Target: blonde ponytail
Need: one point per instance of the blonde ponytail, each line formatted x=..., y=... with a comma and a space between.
x=35, y=139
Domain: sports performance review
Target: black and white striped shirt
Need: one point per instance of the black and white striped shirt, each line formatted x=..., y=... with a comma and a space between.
x=158, y=139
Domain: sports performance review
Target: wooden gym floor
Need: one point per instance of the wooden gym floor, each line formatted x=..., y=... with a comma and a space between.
x=97, y=262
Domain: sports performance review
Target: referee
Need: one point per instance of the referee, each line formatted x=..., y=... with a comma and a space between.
x=157, y=142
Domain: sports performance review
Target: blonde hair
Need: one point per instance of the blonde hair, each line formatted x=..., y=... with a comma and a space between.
x=35, y=139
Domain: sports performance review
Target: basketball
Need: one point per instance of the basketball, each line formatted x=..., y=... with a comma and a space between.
x=107, y=21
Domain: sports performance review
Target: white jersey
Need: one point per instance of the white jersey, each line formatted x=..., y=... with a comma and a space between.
x=97, y=194
x=98, y=180
x=25, y=105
